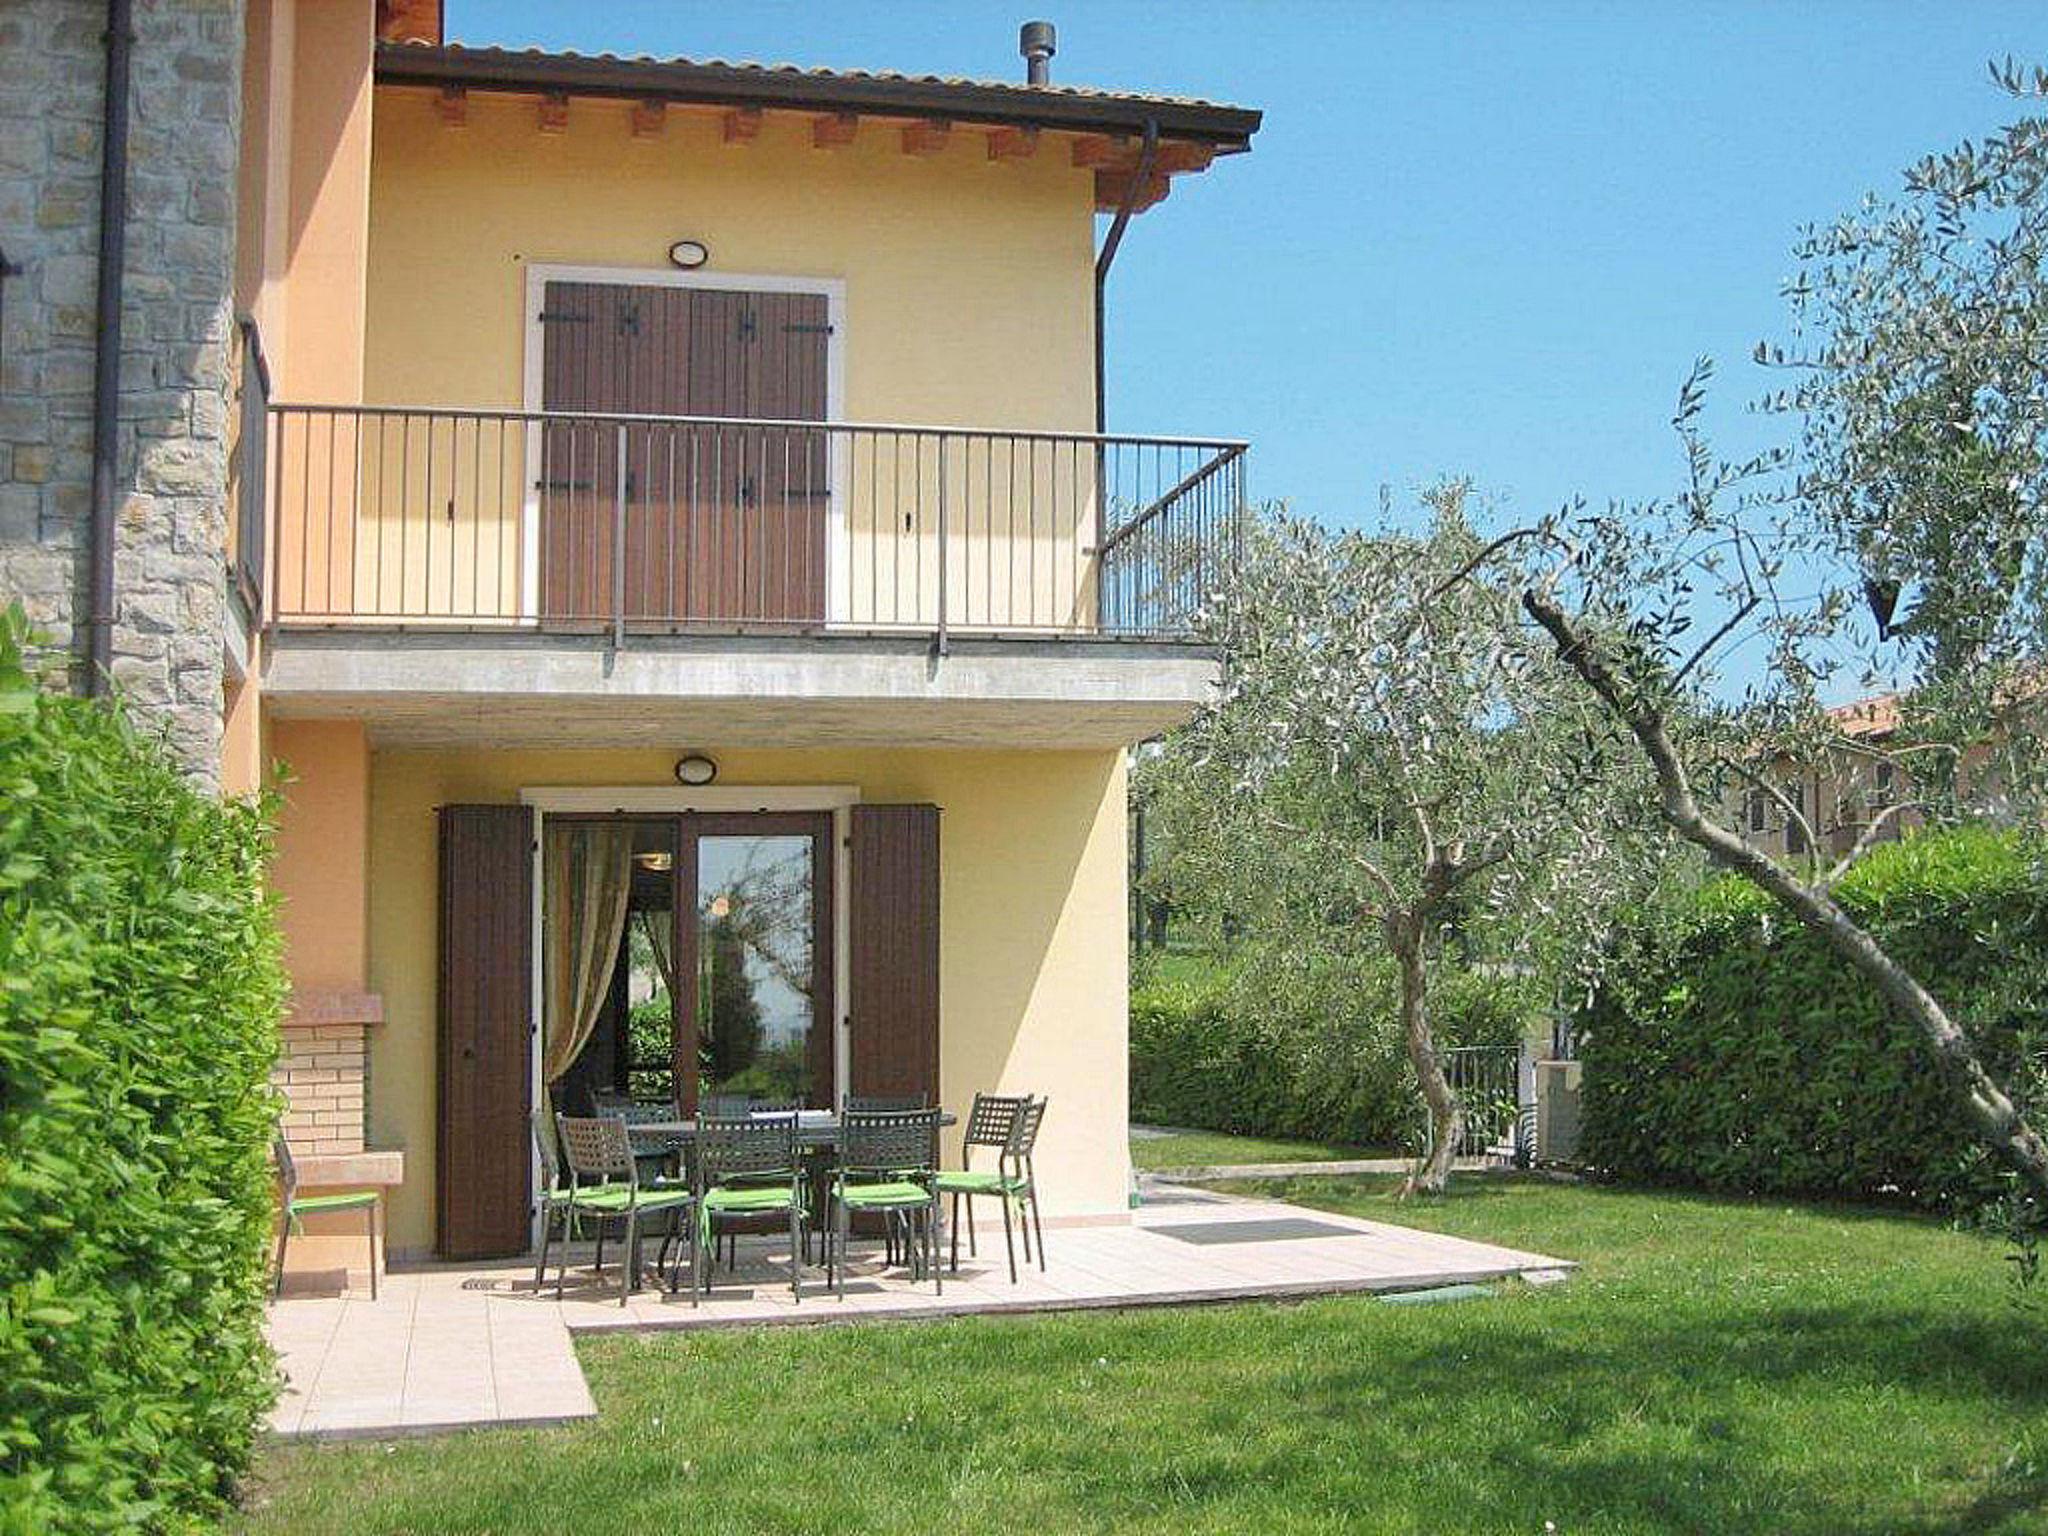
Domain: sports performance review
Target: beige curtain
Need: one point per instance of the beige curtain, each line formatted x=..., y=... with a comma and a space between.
x=589, y=872
x=660, y=932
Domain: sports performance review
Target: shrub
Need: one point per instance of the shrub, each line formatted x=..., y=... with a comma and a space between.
x=140, y=986
x=1731, y=1050
x=1299, y=1046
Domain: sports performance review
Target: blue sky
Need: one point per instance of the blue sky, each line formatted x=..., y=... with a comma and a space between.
x=1476, y=239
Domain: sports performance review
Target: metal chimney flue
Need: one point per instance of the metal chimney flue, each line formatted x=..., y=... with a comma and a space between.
x=1038, y=42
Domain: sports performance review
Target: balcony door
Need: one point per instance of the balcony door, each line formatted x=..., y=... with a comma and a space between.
x=722, y=524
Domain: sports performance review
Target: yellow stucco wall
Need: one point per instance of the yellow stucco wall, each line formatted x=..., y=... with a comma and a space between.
x=1033, y=969
x=968, y=283
x=967, y=301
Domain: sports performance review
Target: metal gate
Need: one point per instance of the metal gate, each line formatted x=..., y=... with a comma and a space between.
x=1499, y=1114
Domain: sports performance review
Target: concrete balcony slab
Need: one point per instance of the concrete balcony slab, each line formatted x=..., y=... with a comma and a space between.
x=439, y=689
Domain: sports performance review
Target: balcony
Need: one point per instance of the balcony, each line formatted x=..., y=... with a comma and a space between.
x=624, y=526
x=462, y=577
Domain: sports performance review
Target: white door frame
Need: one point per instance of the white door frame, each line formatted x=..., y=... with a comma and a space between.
x=833, y=289
x=644, y=800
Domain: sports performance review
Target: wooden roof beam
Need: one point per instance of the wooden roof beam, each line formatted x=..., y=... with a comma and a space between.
x=554, y=112
x=926, y=137
x=1013, y=143
x=452, y=105
x=1182, y=155
x=741, y=125
x=1109, y=152
x=1095, y=151
x=834, y=130
x=1111, y=187
x=648, y=117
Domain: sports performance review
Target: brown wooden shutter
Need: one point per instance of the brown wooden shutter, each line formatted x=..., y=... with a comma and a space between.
x=893, y=1003
x=721, y=523
x=483, y=1171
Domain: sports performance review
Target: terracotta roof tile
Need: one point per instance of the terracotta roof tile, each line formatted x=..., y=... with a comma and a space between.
x=1877, y=715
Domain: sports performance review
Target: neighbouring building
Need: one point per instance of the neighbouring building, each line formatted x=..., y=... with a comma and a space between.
x=1820, y=808
x=1863, y=781
x=660, y=519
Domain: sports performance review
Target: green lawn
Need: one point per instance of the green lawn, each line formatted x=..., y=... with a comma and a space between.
x=1208, y=1149
x=1716, y=1367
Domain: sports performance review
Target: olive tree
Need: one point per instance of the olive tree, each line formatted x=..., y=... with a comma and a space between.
x=1919, y=369
x=1915, y=523
x=1641, y=603
x=1385, y=761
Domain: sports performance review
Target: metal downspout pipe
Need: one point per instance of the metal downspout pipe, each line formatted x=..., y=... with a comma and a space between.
x=106, y=384
x=1146, y=156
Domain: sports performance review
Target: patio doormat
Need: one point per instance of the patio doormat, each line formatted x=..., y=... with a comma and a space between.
x=1274, y=1230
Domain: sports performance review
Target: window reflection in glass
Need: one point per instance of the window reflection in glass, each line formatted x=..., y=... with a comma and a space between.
x=756, y=1002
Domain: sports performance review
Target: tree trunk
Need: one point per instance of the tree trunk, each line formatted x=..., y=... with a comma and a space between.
x=1986, y=1108
x=1432, y=1171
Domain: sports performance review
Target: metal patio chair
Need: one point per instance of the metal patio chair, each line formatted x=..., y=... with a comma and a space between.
x=746, y=1167
x=604, y=1183
x=888, y=1161
x=657, y=1156
x=554, y=1193
x=740, y=1106
x=872, y=1102
x=293, y=1208
x=1010, y=1126
x=883, y=1102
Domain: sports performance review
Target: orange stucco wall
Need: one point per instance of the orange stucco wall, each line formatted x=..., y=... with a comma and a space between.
x=241, y=738
x=323, y=851
x=328, y=232
x=301, y=271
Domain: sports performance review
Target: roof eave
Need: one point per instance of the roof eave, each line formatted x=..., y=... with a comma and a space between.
x=1228, y=129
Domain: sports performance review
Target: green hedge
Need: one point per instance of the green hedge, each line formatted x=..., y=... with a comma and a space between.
x=1732, y=1051
x=1285, y=1045
x=140, y=987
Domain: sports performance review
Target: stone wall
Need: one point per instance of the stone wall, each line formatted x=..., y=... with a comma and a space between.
x=170, y=587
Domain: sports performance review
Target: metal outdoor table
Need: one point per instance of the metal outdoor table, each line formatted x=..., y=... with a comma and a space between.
x=817, y=1130
x=814, y=1128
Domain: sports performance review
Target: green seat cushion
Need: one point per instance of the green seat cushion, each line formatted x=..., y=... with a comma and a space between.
x=964, y=1182
x=876, y=1195
x=301, y=1204
x=619, y=1197
x=747, y=1200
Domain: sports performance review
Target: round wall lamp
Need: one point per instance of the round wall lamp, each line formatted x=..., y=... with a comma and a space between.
x=696, y=769
x=689, y=253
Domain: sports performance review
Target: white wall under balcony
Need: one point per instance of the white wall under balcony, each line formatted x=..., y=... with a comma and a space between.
x=469, y=689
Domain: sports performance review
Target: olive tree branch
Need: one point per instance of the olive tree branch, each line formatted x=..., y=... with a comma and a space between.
x=1989, y=1109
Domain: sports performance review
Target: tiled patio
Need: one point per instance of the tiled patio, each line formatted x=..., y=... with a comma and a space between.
x=449, y=1346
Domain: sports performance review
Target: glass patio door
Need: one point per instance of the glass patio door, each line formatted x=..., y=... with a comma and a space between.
x=754, y=941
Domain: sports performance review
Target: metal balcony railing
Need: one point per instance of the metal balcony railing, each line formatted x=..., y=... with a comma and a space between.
x=385, y=516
